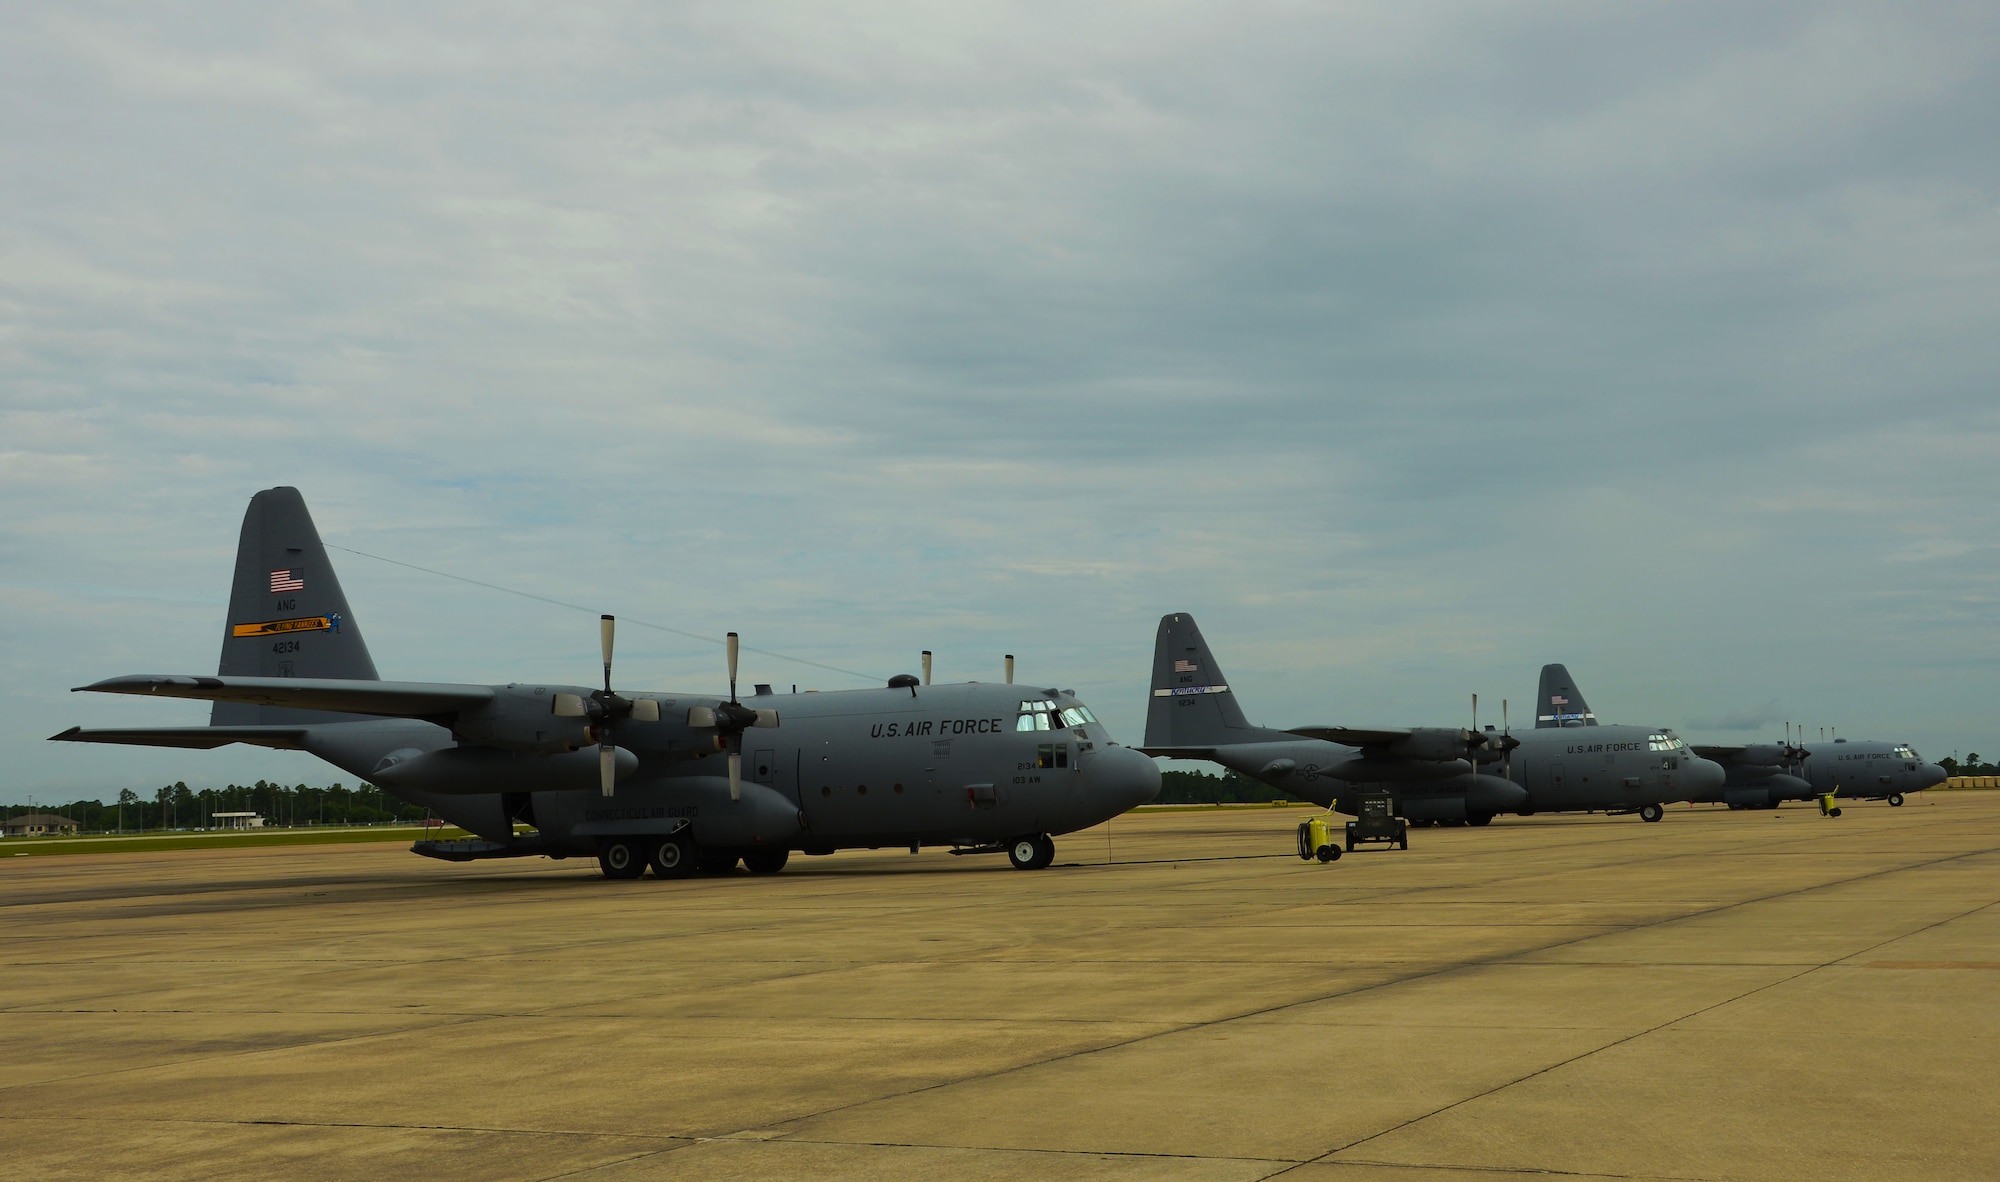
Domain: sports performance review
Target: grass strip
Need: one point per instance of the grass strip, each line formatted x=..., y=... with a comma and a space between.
x=121, y=843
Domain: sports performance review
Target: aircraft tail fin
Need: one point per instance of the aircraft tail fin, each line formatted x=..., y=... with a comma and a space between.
x=1558, y=703
x=287, y=614
x=1191, y=706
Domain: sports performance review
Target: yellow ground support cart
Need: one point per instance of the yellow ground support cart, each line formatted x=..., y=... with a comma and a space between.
x=1316, y=839
x=1826, y=806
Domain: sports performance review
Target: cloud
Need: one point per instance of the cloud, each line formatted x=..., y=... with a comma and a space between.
x=1408, y=347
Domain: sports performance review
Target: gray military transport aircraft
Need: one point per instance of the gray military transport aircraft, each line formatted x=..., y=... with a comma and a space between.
x=1765, y=775
x=1434, y=773
x=633, y=777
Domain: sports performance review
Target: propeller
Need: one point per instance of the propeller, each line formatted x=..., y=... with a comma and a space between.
x=604, y=708
x=730, y=720
x=1507, y=743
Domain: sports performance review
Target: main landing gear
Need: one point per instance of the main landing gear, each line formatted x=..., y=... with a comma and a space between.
x=680, y=857
x=1895, y=800
x=1651, y=812
x=1033, y=852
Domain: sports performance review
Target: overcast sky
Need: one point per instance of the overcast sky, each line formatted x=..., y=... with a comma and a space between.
x=1407, y=346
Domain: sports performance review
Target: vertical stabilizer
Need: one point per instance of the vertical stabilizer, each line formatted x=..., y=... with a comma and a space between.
x=287, y=614
x=1558, y=703
x=1191, y=703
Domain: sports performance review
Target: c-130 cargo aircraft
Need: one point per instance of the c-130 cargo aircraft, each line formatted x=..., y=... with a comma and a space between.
x=633, y=777
x=1567, y=764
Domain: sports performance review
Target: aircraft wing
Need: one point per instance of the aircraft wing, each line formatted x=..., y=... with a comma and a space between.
x=1178, y=752
x=200, y=738
x=1348, y=736
x=391, y=699
x=1711, y=752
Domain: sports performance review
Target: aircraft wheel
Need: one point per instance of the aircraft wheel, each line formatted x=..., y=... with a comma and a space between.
x=1651, y=812
x=621, y=858
x=1479, y=820
x=1895, y=800
x=764, y=860
x=674, y=857
x=1048, y=854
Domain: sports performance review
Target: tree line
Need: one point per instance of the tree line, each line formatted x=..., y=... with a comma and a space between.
x=176, y=806
x=1207, y=788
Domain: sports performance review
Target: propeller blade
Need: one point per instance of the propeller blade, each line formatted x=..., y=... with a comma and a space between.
x=730, y=644
x=927, y=666
x=1010, y=668
x=607, y=766
x=735, y=775
x=607, y=627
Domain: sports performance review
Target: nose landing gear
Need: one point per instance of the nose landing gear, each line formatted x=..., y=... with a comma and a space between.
x=1033, y=852
x=1651, y=812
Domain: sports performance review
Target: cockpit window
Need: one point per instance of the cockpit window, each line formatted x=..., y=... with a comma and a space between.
x=1665, y=741
x=1043, y=714
x=1906, y=753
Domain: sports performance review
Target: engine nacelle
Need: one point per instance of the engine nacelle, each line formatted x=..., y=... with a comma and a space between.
x=523, y=718
x=1760, y=755
x=1433, y=743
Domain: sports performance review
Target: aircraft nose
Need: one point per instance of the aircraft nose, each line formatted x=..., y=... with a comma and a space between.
x=1935, y=775
x=1705, y=776
x=1121, y=778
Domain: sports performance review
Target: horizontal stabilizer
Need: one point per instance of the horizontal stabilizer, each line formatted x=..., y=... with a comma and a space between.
x=199, y=738
x=390, y=699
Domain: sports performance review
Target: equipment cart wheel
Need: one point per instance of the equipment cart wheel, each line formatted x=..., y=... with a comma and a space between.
x=674, y=857
x=1305, y=842
x=1651, y=812
x=621, y=857
x=1895, y=800
x=1329, y=853
x=1402, y=836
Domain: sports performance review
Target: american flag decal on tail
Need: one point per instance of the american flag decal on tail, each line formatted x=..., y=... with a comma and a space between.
x=1183, y=665
x=286, y=580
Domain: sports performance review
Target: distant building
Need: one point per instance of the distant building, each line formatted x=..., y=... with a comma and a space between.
x=38, y=825
x=237, y=820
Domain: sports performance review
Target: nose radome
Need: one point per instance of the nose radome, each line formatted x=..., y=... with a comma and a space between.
x=1705, y=776
x=1934, y=775
x=1122, y=777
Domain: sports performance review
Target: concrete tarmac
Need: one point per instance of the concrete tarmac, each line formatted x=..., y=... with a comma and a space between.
x=1717, y=996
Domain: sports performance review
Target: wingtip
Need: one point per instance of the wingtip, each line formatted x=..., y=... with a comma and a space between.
x=70, y=733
